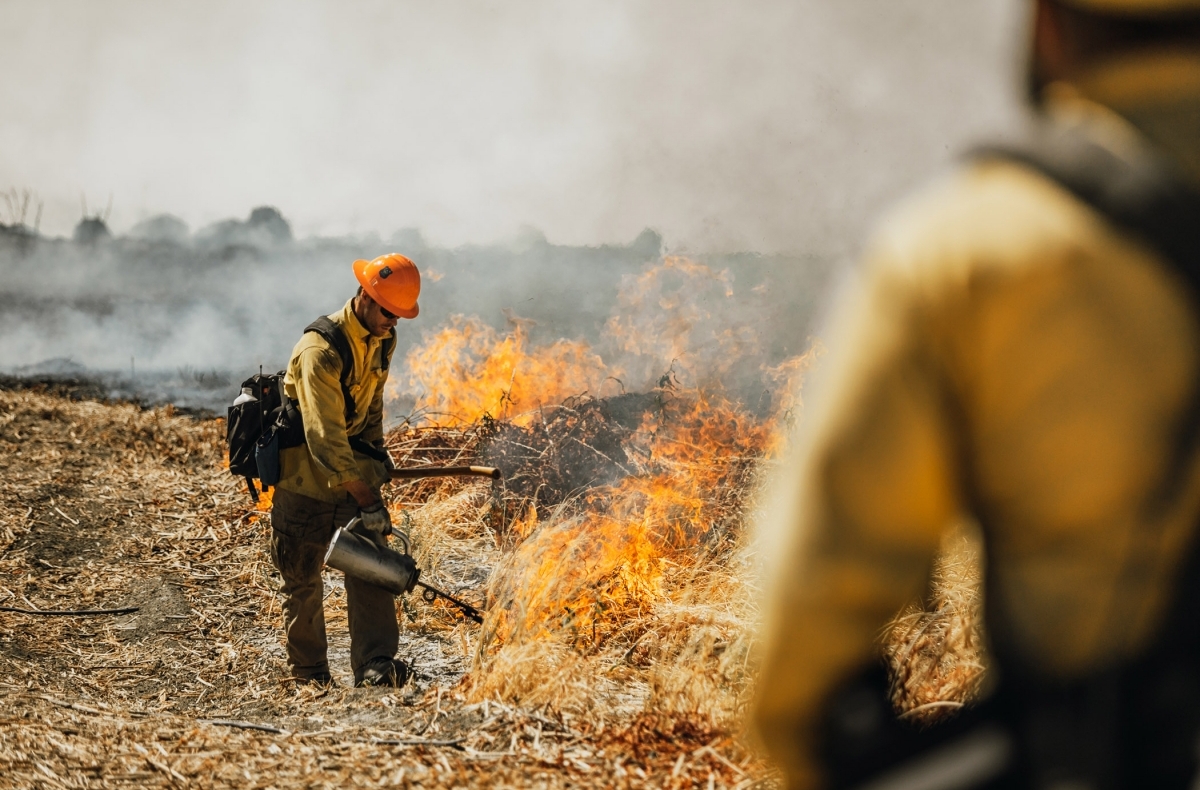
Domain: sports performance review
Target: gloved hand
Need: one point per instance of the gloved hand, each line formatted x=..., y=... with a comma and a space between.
x=375, y=519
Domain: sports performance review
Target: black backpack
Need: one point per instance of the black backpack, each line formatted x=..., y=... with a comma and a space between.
x=268, y=421
x=1131, y=725
x=246, y=421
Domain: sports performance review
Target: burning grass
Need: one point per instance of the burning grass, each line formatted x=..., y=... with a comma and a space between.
x=124, y=507
x=620, y=585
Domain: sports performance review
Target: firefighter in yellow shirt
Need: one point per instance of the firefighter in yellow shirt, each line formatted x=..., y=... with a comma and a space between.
x=1017, y=356
x=336, y=472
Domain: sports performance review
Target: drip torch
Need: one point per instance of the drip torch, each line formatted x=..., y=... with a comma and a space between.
x=394, y=571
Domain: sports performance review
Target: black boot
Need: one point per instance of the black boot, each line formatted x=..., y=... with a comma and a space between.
x=319, y=679
x=384, y=671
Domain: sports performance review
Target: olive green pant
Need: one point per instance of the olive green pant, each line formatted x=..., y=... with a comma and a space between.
x=301, y=528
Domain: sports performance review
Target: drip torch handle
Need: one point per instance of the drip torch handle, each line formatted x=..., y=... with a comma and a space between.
x=403, y=538
x=397, y=534
x=432, y=593
x=446, y=471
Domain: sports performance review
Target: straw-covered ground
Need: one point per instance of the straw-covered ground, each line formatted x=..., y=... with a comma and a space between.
x=109, y=506
x=627, y=666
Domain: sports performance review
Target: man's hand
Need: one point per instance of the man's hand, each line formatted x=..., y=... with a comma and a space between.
x=374, y=515
x=376, y=519
x=363, y=494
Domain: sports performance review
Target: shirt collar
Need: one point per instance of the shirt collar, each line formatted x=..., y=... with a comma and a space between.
x=354, y=327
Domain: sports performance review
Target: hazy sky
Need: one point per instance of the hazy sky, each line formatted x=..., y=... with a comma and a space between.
x=768, y=126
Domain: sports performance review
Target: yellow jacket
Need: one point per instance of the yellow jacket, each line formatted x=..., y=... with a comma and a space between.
x=1012, y=357
x=318, y=468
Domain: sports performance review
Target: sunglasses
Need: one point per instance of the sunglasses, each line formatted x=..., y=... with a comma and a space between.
x=387, y=315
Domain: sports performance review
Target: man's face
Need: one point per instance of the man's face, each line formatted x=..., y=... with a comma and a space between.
x=378, y=321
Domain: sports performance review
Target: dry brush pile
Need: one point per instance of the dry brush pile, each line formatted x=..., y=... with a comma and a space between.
x=620, y=572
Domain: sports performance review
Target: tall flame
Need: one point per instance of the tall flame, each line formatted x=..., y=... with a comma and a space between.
x=467, y=369
x=585, y=577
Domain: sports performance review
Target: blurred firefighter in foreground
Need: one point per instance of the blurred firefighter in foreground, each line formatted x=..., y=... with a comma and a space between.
x=336, y=470
x=1024, y=352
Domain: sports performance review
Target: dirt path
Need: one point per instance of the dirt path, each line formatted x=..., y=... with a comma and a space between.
x=111, y=506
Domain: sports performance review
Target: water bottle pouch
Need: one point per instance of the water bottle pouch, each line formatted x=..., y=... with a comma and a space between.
x=266, y=456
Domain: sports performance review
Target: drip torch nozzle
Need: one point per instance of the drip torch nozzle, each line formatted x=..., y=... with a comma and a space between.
x=432, y=593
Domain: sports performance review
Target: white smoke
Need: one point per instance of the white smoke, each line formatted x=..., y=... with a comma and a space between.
x=778, y=126
x=777, y=129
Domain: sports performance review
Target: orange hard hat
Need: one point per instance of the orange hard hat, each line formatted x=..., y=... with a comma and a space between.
x=393, y=281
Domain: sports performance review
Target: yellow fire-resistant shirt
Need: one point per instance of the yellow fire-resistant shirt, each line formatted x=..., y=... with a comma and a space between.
x=1012, y=357
x=318, y=468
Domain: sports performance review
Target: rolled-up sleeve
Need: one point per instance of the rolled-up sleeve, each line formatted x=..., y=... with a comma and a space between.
x=316, y=377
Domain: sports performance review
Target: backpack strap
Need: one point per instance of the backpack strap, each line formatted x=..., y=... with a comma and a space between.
x=1141, y=193
x=389, y=343
x=333, y=334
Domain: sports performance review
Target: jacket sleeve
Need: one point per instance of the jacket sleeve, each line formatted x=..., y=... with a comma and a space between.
x=861, y=508
x=319, y=395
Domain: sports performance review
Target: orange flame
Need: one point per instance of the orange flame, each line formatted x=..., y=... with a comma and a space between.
x=265, y=496
x=587, y=577
x=468, y=369
x=263, y=508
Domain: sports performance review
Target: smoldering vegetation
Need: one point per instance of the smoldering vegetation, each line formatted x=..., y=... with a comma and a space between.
x=164, y=314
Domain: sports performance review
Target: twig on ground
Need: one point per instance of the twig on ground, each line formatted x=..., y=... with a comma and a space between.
x=243, y=725
x=451, y=742
x=68, y=612
x=72, y=705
